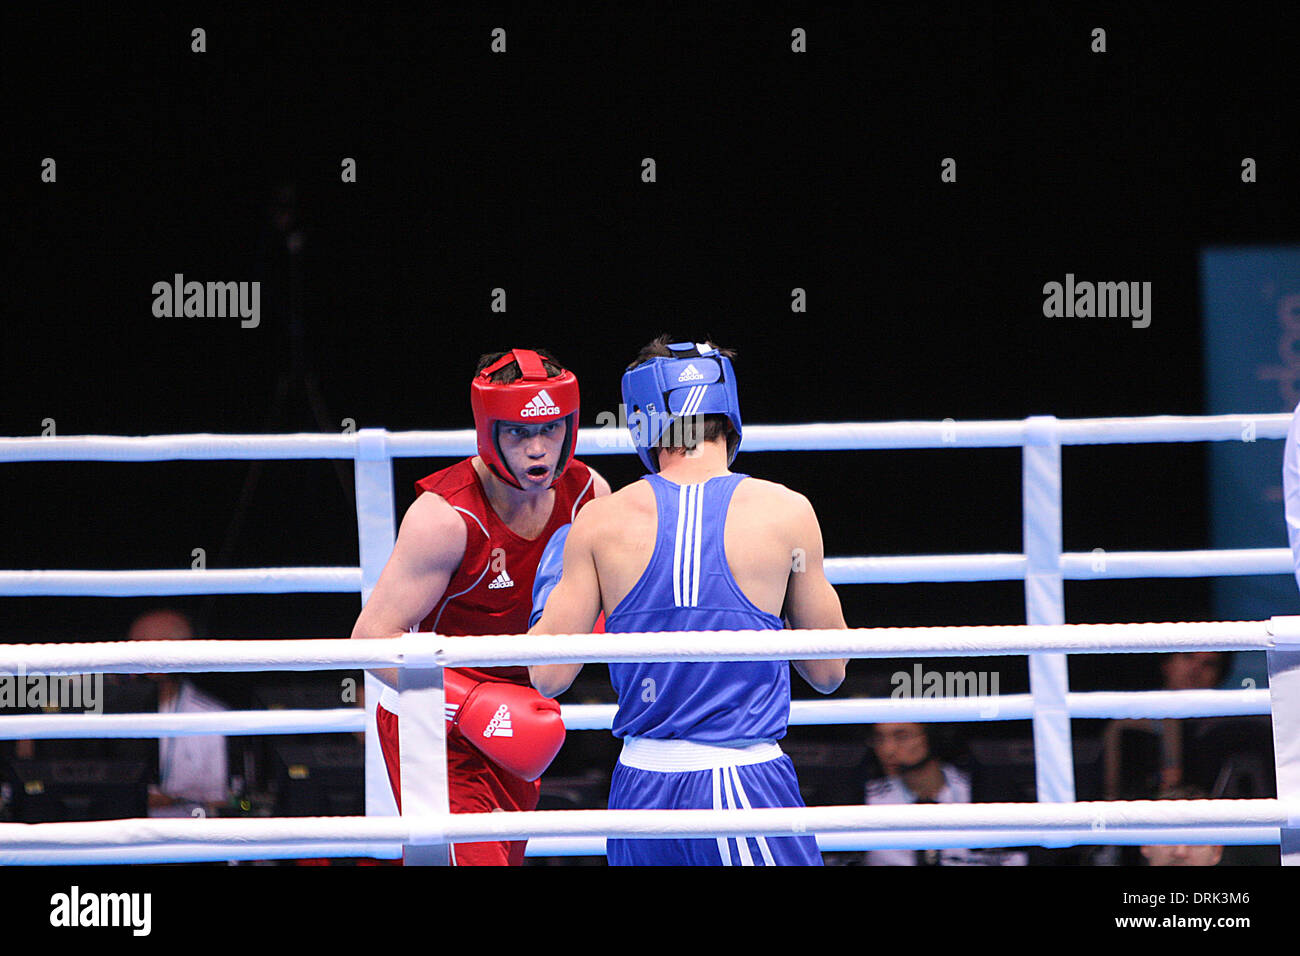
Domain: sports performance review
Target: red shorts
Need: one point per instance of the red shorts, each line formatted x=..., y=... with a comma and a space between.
x=474, y=785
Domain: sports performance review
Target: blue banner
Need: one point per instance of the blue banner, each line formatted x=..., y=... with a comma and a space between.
x=1251, y=302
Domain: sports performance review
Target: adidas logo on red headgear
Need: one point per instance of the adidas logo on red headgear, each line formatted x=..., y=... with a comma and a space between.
x=541, y=404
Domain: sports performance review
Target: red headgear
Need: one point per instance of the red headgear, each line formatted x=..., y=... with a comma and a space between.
x=534, y=397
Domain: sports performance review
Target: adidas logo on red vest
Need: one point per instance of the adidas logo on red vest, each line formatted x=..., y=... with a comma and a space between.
x=502, y=581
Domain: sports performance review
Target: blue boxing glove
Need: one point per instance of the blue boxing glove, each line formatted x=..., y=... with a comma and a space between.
x=548, y=572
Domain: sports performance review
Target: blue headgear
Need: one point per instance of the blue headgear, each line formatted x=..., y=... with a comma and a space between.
x=696, y=380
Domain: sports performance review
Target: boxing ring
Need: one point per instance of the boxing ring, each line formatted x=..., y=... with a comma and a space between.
x=1057, y=820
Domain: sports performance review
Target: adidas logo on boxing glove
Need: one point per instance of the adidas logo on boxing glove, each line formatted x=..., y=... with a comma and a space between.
x=499, y=725
x=510, y=724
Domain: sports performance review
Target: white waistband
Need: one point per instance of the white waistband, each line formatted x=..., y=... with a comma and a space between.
x=391, y=701
x=679, y=756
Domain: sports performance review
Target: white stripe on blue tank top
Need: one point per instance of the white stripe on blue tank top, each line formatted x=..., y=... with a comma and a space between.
x=686, y=546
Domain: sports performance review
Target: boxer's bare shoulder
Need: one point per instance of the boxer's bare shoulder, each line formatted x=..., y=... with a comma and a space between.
x=618, y=531
x=773, y=505
x=762, y=491
x=636, y=500
x=429, y=548
x=433, y=529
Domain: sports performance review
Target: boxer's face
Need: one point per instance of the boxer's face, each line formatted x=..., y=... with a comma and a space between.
x=532, y=451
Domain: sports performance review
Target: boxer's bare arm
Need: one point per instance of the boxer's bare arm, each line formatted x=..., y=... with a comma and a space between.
x=810, y=600
x=429, y=548
x=573, y=606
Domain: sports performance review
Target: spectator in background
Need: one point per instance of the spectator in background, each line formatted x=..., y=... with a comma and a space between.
x=915, y=774
x=1180, y=855
x=1217, y=757
x=1142, y=756
x=192, y=771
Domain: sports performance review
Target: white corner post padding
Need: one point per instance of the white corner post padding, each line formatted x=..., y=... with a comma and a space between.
x=376, y=533
x=1284, y=688
x=1049, y=680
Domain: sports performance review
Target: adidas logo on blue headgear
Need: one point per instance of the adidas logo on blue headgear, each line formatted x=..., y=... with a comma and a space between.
x=694, y=380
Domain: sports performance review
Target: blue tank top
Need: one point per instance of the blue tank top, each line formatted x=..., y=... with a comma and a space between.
x=688, y=587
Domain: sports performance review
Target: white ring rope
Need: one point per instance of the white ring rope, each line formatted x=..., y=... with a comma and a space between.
x=1097, y=817
x=172, y=582
x=1112, y=705
x=231, y=723
x=427, y=650
x=1091, y=704
x=595, y=846
x=836, y=436
x=890, y=569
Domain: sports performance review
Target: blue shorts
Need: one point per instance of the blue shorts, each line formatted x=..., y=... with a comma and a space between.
x=771, y=783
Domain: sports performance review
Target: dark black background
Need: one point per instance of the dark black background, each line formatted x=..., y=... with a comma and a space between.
x=522, y=171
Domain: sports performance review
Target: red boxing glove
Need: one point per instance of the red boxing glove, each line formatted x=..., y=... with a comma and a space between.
x=510, y=724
